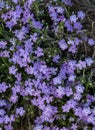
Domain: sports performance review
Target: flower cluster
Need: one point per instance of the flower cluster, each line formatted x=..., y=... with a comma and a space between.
x=46, y=71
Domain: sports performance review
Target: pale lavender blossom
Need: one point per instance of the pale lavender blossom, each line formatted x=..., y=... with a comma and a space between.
x=86, y=111
x=15, y=1
x=20, y=111
x=63, y=45
x=89, y=61
x=73, y=18
x=12, y=70
x=91, y=41
x=81, y=14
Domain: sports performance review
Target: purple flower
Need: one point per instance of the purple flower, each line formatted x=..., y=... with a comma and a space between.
x=30, y=2
x=53, y=14
x=56, y=58
x=66, y=108
x=79, y=88
x=20, y=111
x=77, y=96
x=2, y=112
x=26, y=15
x=48, y=112
x=7, y=119
x=63, y=45
x=15, y=1
x=91, y=119
x=18, y=76
x=57, y=80
x=14, y=98
x=43, y=69
x=12, y=117
x=91, y=41
x=3, y=87
x=89, y=61
x=93, y=111
x=78, y=112
x=68, y=26
x=72, y=49
x=86, y=111
x=20, y=34
x=2, y=5
x=77, y=41
x=72, y=77
x=81, y=65
x=12, y=70
x=78, y=26
x=67, y=2
x=1, y=120
x=60, y=91
x=8, y=127
x=39, y=127
x=29, y=70
x=64, y=128
x=73, y=18
x=5, y=54
x=81, y=15
x=93, y=128
x=37, y=24
x=74, y=127
x=3, y=44
x=46, y=128
x=70, y=42
x=85, y=128
x=11, y=23
x=68, y=91
x=71, y=103
x=59, y=10
x=72, y=64
x=39, y=52
x=33, y=37
x=3, y=102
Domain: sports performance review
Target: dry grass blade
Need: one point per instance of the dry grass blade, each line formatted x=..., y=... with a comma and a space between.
x=85, y=4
